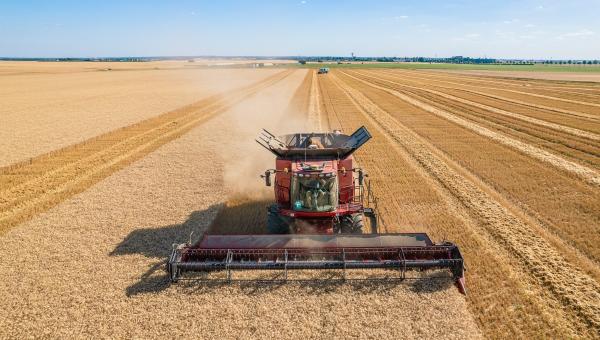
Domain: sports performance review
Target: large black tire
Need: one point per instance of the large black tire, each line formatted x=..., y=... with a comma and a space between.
x=352, y=224
x=276, y=224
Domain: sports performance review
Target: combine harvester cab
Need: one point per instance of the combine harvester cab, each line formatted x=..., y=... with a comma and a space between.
x=317, y=222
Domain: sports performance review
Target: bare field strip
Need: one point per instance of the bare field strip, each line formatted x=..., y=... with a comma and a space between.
x=495, y=217
x=404, y=182
x=46, y=111
x=104, y=250
x=31, y=187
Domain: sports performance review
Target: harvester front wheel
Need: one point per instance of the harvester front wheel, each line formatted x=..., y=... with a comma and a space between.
x=352, y=224
x=276, y=224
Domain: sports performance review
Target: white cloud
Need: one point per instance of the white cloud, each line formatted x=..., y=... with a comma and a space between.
x=401, y=17
x=540, y=7
x=505, y=35
x=303, y=2
x=469, y=36
x=530, y=25
x=581, y=33
x=512, y=21
x=423, y=28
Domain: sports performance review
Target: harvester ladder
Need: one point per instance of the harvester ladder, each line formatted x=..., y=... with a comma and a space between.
x=403, y=267
x=285, y=266
x=228, y=260
x=344, y=260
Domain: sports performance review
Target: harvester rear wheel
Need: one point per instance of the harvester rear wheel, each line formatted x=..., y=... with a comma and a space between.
x=276, y=224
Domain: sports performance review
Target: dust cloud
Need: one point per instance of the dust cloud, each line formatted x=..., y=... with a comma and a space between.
x=244, y=159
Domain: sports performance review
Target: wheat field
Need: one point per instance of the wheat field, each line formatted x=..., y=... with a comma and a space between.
x=524, y=208
x=115, y=208
x=97, y=191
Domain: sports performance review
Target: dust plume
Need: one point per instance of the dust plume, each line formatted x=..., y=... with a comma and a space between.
x=244, y=159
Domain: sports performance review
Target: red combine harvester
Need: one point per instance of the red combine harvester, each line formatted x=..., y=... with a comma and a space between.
x=317, y=189
x=322, y=205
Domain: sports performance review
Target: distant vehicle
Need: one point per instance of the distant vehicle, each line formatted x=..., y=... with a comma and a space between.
x=323, y=70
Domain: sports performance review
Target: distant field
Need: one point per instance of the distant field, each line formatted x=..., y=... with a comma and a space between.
x=418, y=66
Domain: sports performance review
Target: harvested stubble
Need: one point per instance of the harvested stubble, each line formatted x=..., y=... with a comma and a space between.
x=568, y=133
x=574, y=78
x=530, y=91
x=103, y=276
x=552, y=116
x=406, y=94
x=31, y=187
x=42, y=112
x=535, y=186
x=523, y=302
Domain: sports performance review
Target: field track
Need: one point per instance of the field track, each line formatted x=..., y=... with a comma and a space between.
x=438, y=190
x=28, y=188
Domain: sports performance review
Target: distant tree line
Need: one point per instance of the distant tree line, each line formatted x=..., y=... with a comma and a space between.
x=338, y=59
x=451, y=60
x=571, y=62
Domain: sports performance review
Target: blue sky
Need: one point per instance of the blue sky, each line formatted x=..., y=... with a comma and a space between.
x=501, y=29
